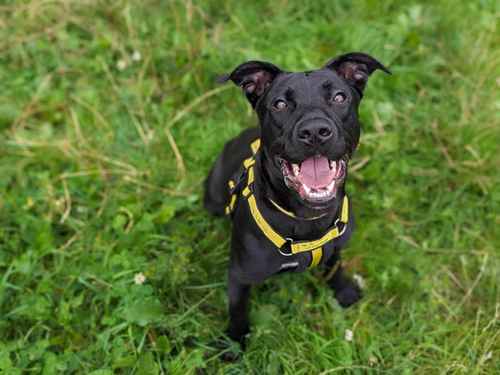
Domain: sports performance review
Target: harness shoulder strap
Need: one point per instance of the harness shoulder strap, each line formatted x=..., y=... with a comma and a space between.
x=235, y=184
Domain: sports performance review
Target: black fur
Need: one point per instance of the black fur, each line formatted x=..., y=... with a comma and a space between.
x=308, y=97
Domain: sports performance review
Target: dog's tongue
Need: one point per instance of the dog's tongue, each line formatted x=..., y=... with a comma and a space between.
x=315, y=172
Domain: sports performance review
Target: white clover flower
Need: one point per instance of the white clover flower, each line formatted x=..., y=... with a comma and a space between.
x=136, y=56
x=359, y=280
x=139, y=278
x=121, y=64
x=348, y=335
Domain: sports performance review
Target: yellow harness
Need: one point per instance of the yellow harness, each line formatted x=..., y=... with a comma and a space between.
x=286, y=246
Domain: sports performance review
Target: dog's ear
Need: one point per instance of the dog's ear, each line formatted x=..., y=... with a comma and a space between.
x=355, y=68
x=254, y=77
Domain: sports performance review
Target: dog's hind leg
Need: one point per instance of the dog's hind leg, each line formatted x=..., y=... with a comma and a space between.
x=216, y=190
x=347, y=292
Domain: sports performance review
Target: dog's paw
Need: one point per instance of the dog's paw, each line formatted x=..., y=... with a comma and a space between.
x=348, y=295
x=227, y=349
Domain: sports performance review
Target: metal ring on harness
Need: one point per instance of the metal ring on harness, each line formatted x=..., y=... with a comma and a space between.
x=344, y=226
x=288, y=245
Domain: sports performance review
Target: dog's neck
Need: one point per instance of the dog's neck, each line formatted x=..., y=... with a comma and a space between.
x=273, y=188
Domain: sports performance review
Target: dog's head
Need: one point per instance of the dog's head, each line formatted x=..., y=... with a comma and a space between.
x=309, y=121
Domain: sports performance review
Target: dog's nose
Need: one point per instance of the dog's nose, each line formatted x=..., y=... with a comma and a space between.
x=314, y=132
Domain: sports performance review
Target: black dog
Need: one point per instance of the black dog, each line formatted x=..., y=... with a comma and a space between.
x=283, y=183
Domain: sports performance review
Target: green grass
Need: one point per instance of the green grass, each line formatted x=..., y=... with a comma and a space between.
x=101, y=178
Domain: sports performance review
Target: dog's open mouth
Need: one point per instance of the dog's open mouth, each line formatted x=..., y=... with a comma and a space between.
x=316, y=179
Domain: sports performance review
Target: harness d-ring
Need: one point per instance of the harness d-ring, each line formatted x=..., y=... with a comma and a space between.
x=288, y=245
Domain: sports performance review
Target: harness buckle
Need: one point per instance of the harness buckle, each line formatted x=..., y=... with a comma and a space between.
x=286, y=249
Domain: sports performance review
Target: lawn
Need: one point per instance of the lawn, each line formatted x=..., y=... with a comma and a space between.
x=110, y=117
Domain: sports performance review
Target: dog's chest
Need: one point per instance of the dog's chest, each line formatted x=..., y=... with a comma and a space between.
x=304, y=261
x=261, y=258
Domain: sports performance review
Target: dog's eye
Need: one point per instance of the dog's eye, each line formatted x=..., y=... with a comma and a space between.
x=279, y=105
x=339, y=98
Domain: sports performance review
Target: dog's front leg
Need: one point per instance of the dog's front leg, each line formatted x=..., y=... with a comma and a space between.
x=238, y=295
x=347, y=292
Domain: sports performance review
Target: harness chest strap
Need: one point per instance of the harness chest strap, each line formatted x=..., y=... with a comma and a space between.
x=295, y=247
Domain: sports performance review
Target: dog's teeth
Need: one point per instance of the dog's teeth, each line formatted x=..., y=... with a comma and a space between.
x=287, y=182
x=331, y=186
x=333, y=164
x=296, y=169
